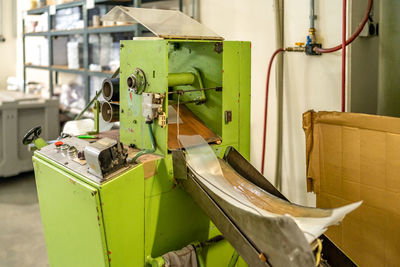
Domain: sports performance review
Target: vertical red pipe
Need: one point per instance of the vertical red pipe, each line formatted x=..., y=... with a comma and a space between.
x=266, y=107
x=344, y=24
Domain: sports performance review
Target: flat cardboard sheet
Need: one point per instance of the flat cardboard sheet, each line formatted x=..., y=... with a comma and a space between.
x=189, y=124
x=352, y=157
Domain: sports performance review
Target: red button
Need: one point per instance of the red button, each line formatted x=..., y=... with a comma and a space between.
x=58, y=143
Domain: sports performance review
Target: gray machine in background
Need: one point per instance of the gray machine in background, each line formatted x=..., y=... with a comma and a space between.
x=18, y=113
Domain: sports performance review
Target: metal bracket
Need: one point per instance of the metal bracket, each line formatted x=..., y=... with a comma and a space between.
x=219, y=47
x=228, y=116
x=137, y=81
x=179, y=164
x=310, y=49
x=152, y=107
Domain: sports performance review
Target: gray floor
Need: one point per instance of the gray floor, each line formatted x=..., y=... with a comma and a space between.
x=21, y=233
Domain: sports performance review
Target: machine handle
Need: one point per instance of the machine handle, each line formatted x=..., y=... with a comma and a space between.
x=32, y=135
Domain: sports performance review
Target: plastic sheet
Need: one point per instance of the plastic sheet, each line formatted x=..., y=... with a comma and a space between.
x=163, y=23
x=79, y=127
x=244, y=195
x=173, y=116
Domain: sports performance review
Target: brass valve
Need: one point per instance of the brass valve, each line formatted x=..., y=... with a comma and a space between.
x=299, y=47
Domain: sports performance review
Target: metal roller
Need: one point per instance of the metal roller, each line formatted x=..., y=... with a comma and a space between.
x=176, y=79
x=110, y=112
x=110, y=89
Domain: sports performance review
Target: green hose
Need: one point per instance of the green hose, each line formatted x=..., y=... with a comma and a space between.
x=147, y=151
x=200, y=260
x=234, y=259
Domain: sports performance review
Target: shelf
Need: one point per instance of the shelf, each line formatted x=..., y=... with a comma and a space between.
x=55, y=33
x=62, y=68
x=106, y=2
x=149, y=1
x=90, y=30
x=46, y=33
x=67, y=32
x=41, y=10
x=70, y=4
x=38, y=11
x=111, y=29
x=29, y=66
x=65, y=69
x=105, y=74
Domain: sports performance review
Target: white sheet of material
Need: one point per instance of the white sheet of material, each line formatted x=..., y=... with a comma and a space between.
x=79, y=127
x=204, y=162
x=85, y=126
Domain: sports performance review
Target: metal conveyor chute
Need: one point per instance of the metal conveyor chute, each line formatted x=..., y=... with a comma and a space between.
x=260, y=223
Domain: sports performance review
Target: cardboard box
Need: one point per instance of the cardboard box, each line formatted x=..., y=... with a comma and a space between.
x=353, y=157
x=57, y=2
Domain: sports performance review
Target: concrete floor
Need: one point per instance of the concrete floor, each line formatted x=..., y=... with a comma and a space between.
x=21, y=233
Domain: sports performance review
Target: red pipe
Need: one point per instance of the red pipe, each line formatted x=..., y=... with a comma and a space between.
x=344, y=24
x=266, y=105
x=319, y=50
x=352, y=37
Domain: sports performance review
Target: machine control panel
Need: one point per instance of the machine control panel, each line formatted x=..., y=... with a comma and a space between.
x=69, y=152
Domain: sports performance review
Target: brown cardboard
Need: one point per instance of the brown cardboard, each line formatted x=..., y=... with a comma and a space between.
x=57, y=2
x=352, y=157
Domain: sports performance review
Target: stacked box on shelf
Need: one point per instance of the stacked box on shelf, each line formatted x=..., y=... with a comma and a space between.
x=68, y=19
x=40, y=46
x=57, y=2
x=60, y=47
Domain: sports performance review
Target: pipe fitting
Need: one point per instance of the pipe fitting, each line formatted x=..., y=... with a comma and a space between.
x=131, y=82
x=295, y=49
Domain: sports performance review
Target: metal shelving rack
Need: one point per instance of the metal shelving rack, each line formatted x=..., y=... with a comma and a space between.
x=85, y=31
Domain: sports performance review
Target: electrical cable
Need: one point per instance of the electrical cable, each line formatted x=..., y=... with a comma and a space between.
x=177, y=123
x=353, y=36
x=147, y=151
x=266, y=106
x=318, y=254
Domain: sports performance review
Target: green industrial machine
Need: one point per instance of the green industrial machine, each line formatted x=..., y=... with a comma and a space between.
x=142, y=212
x=127, y=198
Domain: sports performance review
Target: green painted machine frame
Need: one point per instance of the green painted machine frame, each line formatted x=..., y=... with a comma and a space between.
x=143, y=213
x=220, y=63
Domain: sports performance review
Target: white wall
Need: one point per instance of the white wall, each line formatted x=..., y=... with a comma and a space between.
x=309, y=82
x=7, y=48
